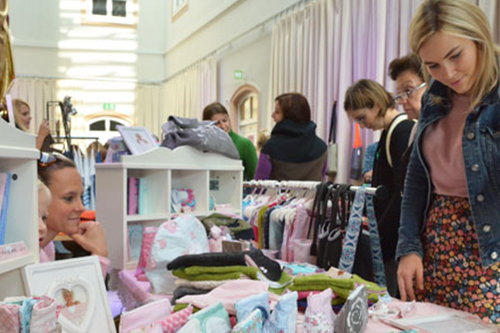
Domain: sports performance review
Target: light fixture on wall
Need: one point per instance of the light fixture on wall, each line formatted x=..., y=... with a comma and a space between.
x=67, y=110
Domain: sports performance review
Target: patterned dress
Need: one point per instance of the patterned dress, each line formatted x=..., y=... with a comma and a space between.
x=453, y=274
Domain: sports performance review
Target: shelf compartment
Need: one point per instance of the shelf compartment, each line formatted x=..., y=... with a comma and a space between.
x=195, y=180
x=226, y=187
x=153, y=190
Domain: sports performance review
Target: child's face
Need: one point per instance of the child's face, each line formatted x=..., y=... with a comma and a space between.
x=43, y=213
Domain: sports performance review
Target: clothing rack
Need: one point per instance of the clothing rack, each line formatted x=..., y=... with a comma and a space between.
x=311, y=185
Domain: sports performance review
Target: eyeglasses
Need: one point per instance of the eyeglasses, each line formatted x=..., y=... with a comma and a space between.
x=403, y=97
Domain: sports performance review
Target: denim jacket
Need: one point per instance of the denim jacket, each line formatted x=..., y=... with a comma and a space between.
x=481, y=150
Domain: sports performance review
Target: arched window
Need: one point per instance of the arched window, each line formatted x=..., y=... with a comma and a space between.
x=103, y=124
x=244, y=111
x=249, y=116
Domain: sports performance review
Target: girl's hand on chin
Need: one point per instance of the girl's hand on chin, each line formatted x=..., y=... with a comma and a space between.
x=91, y=237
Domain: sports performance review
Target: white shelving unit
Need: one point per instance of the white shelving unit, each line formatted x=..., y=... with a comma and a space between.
x=18, y=156
x=162, y=170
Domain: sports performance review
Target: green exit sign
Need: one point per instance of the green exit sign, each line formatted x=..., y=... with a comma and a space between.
x=108, y=106
x=238, y=75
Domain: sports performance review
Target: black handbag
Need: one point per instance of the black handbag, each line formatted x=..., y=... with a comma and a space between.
x=331, y=232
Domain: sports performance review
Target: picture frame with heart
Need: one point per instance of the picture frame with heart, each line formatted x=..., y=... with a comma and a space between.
x=78, y=287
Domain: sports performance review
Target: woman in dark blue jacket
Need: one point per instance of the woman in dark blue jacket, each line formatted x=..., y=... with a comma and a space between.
x=449, y=238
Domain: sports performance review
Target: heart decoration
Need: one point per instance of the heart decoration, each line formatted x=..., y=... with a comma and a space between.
x=76, y=303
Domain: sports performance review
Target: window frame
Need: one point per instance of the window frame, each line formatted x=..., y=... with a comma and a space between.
x=129, y=21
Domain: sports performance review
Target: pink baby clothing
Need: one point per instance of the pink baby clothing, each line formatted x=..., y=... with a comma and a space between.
x=228, y=294
x=148, y=317
x=319, y=316
x=48, y=254
x=9, y=317
x=176, y=320
x=301, y=226
x=43, y=316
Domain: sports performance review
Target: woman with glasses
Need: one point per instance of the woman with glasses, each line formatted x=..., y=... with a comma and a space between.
x=369, y=104
x=410, y=87
x=410, y=83
x=449, y=240
x=59, y=174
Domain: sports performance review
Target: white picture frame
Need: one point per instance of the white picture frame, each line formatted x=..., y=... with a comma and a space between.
x=78, y=287
x=138, y=139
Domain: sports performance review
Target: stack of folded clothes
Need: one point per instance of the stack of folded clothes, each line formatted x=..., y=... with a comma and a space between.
x=341, y=288
x=224, y=276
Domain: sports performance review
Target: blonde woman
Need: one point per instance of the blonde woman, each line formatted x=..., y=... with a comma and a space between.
x=449, y=240
x=22, y=115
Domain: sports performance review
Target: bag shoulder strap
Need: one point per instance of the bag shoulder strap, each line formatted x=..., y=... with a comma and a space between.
x=399, y=118
x=332, y=137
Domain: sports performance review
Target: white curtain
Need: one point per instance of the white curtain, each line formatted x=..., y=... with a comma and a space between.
x=148, y=106
x=186, y=94
x=37, y=92
x=324, y=47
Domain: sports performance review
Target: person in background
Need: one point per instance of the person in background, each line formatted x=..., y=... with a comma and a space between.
x=262, y=139
x=44, y=198
x=22, y=116
x=294, y=151
x=59, y=174
x=372, y=107
x=410, y=83
x=217, y=112
x=98, y=150
x=410, y=87
x=449, y=239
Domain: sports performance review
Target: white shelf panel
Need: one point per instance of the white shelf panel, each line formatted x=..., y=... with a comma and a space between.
x=147, y=217
x=8, y=152
x=16, y=263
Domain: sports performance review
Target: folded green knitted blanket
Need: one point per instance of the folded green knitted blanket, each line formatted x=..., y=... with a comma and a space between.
x=212, y=273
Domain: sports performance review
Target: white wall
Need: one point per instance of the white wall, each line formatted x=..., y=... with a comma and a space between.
x=240, y=37
x=255, y=72
x=49, y=40
x=240, y=17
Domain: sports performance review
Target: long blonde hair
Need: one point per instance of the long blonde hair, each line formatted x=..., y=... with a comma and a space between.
x=16, y=105
x=465, y=20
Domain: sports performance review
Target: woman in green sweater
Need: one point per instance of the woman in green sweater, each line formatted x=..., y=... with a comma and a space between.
x=245, y=147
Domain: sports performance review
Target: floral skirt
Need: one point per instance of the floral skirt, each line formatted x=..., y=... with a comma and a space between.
x=453, y=274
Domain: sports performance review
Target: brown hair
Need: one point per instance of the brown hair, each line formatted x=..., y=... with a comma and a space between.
x=45, y=171
x=409, y=62
x=212, y=109
x=294, y=107
x=368, y=94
